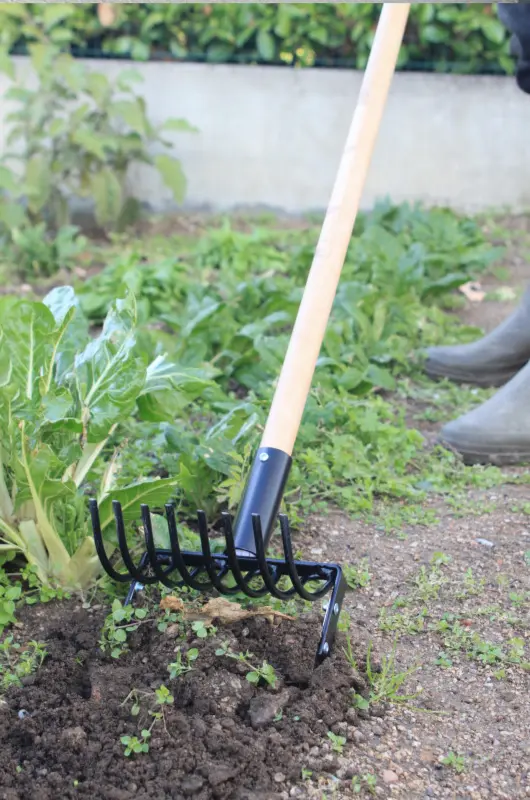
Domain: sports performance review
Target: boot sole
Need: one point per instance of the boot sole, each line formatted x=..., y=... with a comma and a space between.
x=486, y=380
x=496, y=458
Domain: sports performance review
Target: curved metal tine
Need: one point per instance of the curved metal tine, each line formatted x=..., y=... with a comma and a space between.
x=209, y=564
x=268, y=579
x=135, y=573
x=176, y=554
x=161, y=574
x=120, y=577
x=291, y=565
x=242, y=582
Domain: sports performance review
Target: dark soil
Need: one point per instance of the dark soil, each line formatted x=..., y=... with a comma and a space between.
x=221, y=738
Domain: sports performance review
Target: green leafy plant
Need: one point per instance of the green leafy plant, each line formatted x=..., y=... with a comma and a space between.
x=367, y=781
x=385, y=683
x=444, y=37
x=9, y=594
x=337, y=742
x=62, y=395
x=230, y=300
x=357, y=575
x=37, y=253
x=454, y=761
x=265, y=672
x=121, y=621
x=202, y=630
x=132, y=745
x=17, y=661
x=182, y=665
x=160, y=698
x=78, y=133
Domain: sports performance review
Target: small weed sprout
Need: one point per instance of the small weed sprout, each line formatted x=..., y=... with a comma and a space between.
x=429, y=583
x=133, y=745
x=266, y=672
x=202, y=630
x=181, y=666
x=367, y=781
x=385, y=684
x=471, y=586
x=337, y=742
x=17, y=662
x=357, y=575
x=162, y=697
x=454, y=761
x=121, y=621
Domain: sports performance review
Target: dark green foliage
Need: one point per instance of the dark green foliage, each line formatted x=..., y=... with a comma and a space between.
x=466, y=37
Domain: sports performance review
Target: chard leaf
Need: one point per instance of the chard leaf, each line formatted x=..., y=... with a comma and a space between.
x=38, y=481
x=109, y=376
x=154, y=492
x=26, y=341
x=64, y=305
x=170, y=387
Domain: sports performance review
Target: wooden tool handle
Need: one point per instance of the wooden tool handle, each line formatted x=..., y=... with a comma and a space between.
x=295, y=378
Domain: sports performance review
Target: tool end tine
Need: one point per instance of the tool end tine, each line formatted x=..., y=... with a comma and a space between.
x=256, y=525
x=116, y=508
x=146, y=513
x=285, y=530
x=94, y=516
x=226, y=522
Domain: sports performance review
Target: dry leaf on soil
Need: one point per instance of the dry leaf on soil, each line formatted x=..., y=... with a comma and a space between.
x=473, y=292
x=222, y=610
x=171, y=603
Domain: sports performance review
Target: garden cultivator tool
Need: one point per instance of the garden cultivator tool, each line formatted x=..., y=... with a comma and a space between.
x=244, y=559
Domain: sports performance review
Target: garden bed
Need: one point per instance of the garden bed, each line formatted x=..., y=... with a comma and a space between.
x=221, y=737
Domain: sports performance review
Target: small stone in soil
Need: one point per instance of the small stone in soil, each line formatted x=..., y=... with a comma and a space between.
x=264, y=707
x=389, y=776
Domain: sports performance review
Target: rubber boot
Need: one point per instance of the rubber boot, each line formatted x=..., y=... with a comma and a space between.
x=498, y=431
x=492, y=360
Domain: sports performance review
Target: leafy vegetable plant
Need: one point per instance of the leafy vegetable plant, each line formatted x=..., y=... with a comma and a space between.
x=62, y=395
x=77, y=134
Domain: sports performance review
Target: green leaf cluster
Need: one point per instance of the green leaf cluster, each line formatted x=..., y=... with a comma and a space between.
x=228, y=301
x=463, y=37
x=74, y=133
x=63, y=393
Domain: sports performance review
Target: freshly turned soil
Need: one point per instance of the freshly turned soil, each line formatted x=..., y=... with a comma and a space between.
x=222, y=737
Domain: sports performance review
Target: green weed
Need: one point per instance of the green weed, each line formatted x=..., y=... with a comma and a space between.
x=357, y=575
x=454, y=761
x=265, y=672
x=182, y=665
x=121, y=621
x=18, y=661
x=385, y=682
x=228, y=303
x=367, y=781
x=337, y=742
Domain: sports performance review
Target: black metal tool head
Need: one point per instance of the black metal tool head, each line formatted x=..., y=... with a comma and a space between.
x=229, y=573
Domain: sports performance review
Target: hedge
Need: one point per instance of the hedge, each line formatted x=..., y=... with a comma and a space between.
x=457, y=37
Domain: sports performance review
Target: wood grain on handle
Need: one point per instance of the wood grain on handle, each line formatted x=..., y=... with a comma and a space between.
x=295, y=378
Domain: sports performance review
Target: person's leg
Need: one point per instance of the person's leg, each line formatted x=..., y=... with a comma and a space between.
x=516, y=18
x=498, y=431
x=490, y=361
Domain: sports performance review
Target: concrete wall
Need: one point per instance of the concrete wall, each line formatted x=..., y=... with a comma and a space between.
x=272, y=137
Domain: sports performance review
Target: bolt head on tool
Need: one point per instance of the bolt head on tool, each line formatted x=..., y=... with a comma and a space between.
x=264, y=457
